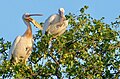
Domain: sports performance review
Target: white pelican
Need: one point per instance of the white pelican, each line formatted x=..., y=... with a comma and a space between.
x=56, y=24
x=22, y=45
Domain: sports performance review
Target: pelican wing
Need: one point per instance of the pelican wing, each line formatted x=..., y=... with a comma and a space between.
x=58, y=28
x=49, y=21
x=62, y=30
x=13, y=46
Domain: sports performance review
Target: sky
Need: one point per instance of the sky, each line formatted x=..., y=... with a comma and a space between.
x=11, y=11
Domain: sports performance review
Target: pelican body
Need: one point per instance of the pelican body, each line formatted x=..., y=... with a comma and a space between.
x=22, y=45
x=56, y=24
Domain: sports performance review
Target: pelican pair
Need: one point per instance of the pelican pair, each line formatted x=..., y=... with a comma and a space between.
x=21, y=48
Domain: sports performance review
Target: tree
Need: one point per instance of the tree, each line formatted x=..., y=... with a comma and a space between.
x=89, y=49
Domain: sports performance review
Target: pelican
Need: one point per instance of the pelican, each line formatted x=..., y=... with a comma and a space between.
x=56, y=24
x=22, y=45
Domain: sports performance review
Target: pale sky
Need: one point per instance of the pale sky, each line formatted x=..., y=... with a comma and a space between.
x=11, y=11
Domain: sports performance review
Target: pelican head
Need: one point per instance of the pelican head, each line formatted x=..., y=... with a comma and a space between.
x=61, y=11
x=26, y=16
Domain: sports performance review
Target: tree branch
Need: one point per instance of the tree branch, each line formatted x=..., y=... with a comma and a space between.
x=51, y=55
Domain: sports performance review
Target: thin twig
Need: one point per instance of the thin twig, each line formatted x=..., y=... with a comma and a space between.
x=51, y=55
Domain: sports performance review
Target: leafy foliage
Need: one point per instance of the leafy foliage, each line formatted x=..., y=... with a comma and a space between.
x=89, y=49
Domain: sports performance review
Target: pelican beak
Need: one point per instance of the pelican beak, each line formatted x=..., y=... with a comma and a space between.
x=35, y=14
x=35, y=23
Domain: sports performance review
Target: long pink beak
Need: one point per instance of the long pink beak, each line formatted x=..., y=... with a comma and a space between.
x=36, y=24
x=35, y=14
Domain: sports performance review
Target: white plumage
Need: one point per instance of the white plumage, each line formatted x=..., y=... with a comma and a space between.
x=22, y=45
x=21, y=49
x=56, y=24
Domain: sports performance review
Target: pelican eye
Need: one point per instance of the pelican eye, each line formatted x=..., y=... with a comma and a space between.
x=26, y=15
